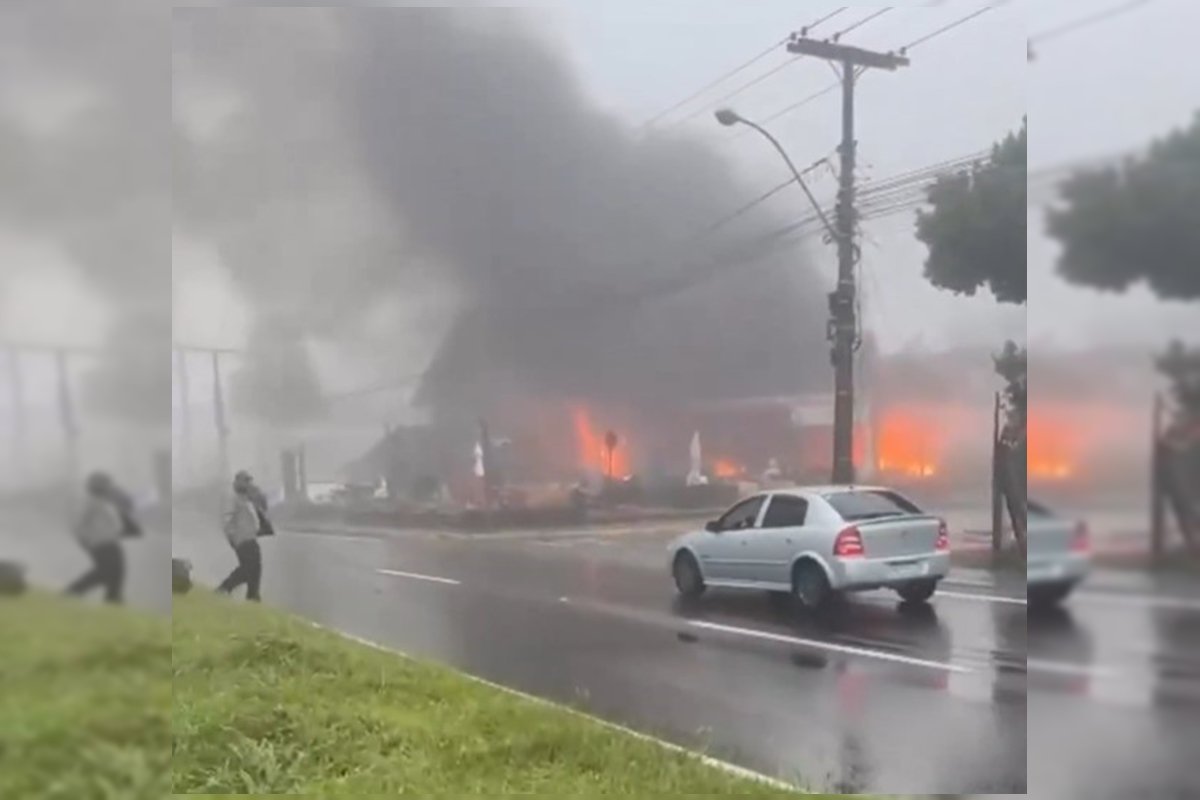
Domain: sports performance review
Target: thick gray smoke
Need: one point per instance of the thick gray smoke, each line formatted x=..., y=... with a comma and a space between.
x=376, y=140
x=98, y=185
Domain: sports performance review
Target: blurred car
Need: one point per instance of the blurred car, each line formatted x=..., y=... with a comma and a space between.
x=815, y=543
x=1059, y=556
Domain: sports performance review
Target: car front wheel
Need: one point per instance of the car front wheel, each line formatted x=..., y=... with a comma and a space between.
x=688, y=580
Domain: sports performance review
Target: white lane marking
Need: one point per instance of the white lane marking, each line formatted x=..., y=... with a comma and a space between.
x=830, y=646
x=1138, y=600
x=983, y=598
x=1070, y=669
x=353, y=537
x=708, y=761
x=976, y=582
x=417, y=576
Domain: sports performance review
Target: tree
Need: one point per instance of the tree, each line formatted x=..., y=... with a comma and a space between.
x=1135, y=222
x=1181, y=367
x=976, y=228
x=1012, y=365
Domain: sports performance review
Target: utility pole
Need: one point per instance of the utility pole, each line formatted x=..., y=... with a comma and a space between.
x=219, y=416
x=68, y=418
x=843, y=323
x=185, y=415
x=17, y=394
x=66, y=410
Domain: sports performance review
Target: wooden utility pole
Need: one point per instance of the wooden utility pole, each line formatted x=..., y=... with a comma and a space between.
x=1158, y=502
x=185, y=415
x=997, y=486
x=17, y=395
x=68, y=418
x=219, y=416
x=843, y=308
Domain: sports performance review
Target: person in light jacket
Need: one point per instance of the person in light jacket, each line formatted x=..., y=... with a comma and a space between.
x=99, y=530
x=242, y=525
x=259, y=498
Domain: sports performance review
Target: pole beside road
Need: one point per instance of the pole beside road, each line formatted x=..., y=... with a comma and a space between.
x=843, y=310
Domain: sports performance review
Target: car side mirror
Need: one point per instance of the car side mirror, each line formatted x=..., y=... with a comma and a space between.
x=712, y=527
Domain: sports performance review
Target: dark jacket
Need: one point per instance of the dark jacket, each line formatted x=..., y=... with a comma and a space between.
x=259, y=499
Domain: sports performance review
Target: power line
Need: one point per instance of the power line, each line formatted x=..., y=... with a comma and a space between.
x=870, y=17
x=714, y=83
x=735, y=71
x=799, y=103
x=765, y=196
x=1085, y=22
x=947, y=28
x=812, y=25
x=723, y=98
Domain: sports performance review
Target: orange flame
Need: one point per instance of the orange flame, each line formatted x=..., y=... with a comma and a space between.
x=727, y=469
x=1053, y=445
x=908, y=445
x=593, y=452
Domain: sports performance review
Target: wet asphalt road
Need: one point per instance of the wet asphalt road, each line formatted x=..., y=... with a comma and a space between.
x=874, y=698
x=1114, y=681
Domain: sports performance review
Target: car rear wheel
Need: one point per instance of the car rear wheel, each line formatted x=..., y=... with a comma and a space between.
x=1048, y=596
x=688, y=580
x=918, y=591
x=810, y=586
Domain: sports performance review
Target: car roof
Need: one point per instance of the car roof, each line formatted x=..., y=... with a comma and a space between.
x=826, y=490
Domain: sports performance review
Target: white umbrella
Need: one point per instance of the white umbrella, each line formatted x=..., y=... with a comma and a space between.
x=479, y=460
x=695, y=474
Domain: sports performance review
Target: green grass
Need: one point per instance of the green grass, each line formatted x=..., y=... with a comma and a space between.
x=265, y=703
x=85, y=701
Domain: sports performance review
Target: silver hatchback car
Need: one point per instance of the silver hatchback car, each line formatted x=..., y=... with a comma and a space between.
x=817, y=542
x=1059, y=556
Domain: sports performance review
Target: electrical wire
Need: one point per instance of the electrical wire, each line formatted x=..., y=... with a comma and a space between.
x=812, y=25
x=725, y=97
x=869, y=18
x=714, y=83
x=798, y=104
x=735, y=71
x=1085, y=22
x=947, y=28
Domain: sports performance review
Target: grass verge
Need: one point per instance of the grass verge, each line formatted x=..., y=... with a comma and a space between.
x=85, y=701
x=266, y=704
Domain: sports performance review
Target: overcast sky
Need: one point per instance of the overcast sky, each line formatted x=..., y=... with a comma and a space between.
x=1106, y=89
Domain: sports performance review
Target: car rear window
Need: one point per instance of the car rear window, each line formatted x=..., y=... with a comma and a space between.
x=860, y=505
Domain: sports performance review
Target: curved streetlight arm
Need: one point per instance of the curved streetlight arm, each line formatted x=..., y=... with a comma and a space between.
x=799, y=178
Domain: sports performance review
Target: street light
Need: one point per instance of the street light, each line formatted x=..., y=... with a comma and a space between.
x=728, y=117
x=843, y=322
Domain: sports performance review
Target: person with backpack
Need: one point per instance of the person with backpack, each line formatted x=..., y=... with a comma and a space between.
x=259, y=499
x=107, y=517
x=243, y=525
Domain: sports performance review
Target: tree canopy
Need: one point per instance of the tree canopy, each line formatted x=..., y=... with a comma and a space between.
x=1135, y=222
x=975, y=230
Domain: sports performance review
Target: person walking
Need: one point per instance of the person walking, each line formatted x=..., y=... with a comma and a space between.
x=242, y=526
x=104, y=520
x=259, y=498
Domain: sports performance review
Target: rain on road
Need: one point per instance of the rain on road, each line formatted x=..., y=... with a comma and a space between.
x=875, y=698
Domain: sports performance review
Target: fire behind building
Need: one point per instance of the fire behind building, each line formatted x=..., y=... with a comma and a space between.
x=928, y=423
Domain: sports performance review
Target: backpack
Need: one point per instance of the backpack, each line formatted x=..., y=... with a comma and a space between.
x=131, y=528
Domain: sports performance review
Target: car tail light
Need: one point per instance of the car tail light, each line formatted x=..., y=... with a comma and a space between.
x=1080, y=541
x=943, y=537
x=849, y=543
